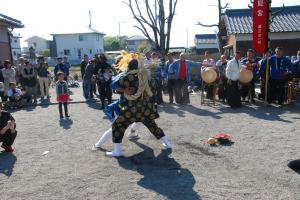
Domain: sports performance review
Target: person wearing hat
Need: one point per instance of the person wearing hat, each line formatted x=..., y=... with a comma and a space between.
x=252, y=65
x=8, y=130
x=182, y=68
x=233, y=75
x=9, y=74
x=138, y=106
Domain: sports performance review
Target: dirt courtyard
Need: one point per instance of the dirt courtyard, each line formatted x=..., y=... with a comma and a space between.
x=254, y=167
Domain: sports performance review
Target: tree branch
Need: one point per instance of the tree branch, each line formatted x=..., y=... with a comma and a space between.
x=208, y=26
x=226, y=6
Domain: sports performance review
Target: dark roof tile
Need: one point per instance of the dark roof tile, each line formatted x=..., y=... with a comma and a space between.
x=239, y=21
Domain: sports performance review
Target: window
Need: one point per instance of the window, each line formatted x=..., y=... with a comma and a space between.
x=66, y=52
x=34, y=44
x=82, y=38
x=131, y=42
x=15, y=53
x=97, y=37
x=91, y=51
x=16, y=41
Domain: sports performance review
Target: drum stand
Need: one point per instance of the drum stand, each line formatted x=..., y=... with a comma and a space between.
x=202, y=96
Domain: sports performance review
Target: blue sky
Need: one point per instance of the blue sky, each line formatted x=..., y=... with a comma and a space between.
x=43, y=17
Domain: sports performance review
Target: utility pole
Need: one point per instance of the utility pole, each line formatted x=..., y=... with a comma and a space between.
x=187, y=39
x=90, y=16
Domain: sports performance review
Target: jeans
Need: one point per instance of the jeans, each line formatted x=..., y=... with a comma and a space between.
x=87, y=90
x=171, y=89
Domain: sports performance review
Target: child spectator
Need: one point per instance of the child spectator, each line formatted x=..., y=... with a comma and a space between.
x=15, y=96
x=8, y=131
x=62, y=94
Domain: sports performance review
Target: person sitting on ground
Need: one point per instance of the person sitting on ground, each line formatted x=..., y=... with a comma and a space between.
x=8, y=131
x=14, y=95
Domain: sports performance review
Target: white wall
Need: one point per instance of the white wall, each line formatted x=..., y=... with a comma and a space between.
x=15, y=47
x=91, y=44
x=273, y=36
x=206, y=46
x=39, y=44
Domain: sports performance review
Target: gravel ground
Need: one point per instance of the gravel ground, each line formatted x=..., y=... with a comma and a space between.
x=254, y=167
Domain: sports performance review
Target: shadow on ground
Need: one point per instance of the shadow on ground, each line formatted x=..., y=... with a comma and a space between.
x=66, y=123
x=161, y=174
x=7, y=163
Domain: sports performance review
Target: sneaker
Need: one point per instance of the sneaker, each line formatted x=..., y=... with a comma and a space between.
x=94, y=148
x=8, y=149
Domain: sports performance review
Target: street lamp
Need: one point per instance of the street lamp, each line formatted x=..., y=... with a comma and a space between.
x=119, y=23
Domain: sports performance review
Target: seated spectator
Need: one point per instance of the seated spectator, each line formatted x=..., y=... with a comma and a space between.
x=15, y=96
x=8, y=131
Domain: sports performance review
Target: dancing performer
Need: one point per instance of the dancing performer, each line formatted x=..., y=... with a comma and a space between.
x=137, y=106
x=233, y=74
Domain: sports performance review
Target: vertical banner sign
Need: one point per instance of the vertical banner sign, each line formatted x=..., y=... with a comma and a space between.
x=260, y=21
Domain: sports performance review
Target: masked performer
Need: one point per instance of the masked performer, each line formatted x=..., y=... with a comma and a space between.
x=137, y=106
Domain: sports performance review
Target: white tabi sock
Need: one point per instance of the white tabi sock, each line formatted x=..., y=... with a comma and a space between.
x=116, y=152
x=166, y=142
x=104, y=138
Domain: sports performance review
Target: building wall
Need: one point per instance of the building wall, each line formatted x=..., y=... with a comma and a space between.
x=39, y=44
x=4, y=45
x=76, y=45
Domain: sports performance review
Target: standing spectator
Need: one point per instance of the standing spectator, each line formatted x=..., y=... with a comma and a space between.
x=296, y=65
x=208, y=63
x=60, y=67
x=171, y=78
x=29, y=75
x=279, y=71
x=62, y=95
x=8, y=130
x=1, y=65
x=88, y=79
x=182, y=74
x=221, y=68
x=43, y=79
x=67, y=66
x=103, y=73
x=147, y=60
x=19, y=68
x=83, y=64
x=159, y=78
x=233, y=75
x=262, y=73
x=252, y=65
x=9, y=74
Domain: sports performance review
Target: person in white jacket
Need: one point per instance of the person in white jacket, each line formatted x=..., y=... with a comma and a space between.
x=233, y=75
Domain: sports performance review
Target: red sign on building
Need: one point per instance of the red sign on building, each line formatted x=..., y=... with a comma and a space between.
x=260, y=23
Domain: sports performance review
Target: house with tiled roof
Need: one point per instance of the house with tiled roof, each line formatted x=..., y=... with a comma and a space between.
x=7, y=24
x=285, y=29
x=206, y=42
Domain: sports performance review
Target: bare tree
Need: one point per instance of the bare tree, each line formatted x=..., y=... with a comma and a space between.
x=154, y=21
x=219, y=24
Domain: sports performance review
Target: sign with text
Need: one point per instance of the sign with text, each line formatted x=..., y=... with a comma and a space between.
x=260, y=23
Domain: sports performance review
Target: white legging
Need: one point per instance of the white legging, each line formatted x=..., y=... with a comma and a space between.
x=108, y=134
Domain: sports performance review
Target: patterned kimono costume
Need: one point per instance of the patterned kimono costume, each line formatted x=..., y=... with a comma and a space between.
x=143, y=110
